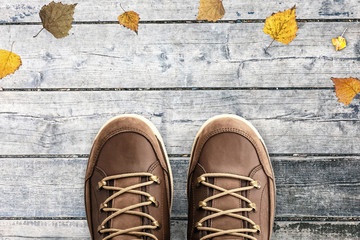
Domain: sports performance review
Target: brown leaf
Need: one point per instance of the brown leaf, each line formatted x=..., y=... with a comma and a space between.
x=211, y=10
x=130, y=20
x=57, y=18
x=346, y=89
x=282, y=26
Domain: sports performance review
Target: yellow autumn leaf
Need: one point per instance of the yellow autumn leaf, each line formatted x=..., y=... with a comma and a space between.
x=339, y=43
x=346, y=89
x=9, y=62
x=130, y=20
x=211, y=10
x=282, y=26
x=57, y=18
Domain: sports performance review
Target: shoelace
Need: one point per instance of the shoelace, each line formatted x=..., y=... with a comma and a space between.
x=240, y=232
x=137, y=230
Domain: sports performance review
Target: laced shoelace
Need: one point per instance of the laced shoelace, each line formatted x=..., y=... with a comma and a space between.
x=240, y=232
x=137, y=230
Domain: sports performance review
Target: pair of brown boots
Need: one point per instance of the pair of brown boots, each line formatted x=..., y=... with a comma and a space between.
x=129, y=184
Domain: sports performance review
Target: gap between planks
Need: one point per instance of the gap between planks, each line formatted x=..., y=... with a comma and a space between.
x=277, y=219
x=158, y=89
x=189, y=21
x=170, y=10
x=78, y=229
x=182, y=155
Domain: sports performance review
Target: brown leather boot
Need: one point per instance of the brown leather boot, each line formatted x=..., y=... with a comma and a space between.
x=128, y=183
x=231, y=188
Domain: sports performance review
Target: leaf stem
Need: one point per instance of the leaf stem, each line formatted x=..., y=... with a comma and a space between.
x=122, y=8
x=269, y=46
x=38, y=33
x=343, y=32
x=12, y=46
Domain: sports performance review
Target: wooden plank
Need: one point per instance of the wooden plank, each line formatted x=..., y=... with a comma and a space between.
x=203, y=55
x=319, y=186
x=300, y=121
x=44, y=229
x=316, y=230
x=109, y=10
x=78, y=229
x=53, y=187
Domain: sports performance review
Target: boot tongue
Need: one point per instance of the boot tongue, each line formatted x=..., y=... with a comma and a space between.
x=225, y=203
x=125, y=221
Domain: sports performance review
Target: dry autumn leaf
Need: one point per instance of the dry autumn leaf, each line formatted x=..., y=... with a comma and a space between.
x=130, y=20
x=9, y=62
x=57, y=18
x=346, y=89
x=281, y=26
x=211, y=10
x=340, y=42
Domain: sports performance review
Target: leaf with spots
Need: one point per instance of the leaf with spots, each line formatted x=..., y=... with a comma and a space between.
x=282, y=26
x=9, y=62
x=211, y=10
x=57, y=18
x=346, y=89
x=130, y=20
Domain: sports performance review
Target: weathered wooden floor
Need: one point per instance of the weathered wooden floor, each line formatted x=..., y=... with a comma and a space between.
x=178, y=73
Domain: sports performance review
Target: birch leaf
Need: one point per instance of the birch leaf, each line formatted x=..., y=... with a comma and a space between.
x=346, y=89
x=57, y=18
x=130, y=20
x=211, y=10
x=282, y=26
x=9, y=62
x=339, y=43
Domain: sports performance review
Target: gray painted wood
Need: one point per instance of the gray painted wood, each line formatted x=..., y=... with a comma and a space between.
x=98, y=55
x=291, y=121
x=316, y=230
x=77, y=229
x=180, y=55
x=306, y=186
x=109, y=10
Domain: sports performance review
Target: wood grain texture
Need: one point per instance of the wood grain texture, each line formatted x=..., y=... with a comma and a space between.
x=306, y=186
x=290, y=121
x=316, y=230
x=108, y=10
x=77, y=229
x=180, y=55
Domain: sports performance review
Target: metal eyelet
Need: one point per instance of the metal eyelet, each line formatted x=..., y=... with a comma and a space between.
x=253, y=206
x=198, y=224
x=103, y=205
x=153, y=200
x=255, y=184
x=257, y=228
x=202, y=204
x=100, y=228
x=156, y=224
x=200, y=180
x=101, y=184
x=155, y=178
